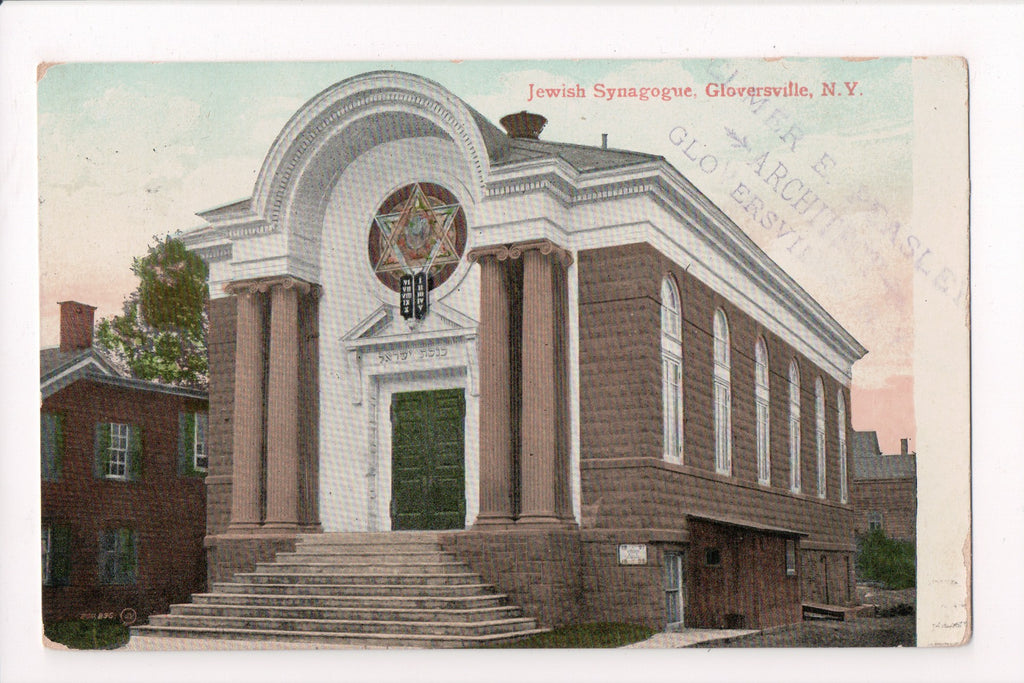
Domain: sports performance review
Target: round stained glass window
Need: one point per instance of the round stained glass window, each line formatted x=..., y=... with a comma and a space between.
x=418, y=228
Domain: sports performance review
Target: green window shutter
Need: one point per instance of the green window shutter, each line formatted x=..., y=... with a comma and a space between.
x=101, y=450
x=47, y=442
x=186, y=443
x=58, y=445
x=134, y=453
x=60, y=548
x=129, y=560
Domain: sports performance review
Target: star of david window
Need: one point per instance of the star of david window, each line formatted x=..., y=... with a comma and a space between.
x=419, y=228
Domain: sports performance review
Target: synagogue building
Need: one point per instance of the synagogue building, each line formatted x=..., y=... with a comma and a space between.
x=565, y=358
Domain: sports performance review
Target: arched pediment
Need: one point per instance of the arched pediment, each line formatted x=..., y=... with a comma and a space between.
x=355, y=115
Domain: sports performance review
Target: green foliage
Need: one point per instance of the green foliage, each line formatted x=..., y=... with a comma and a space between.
x=585, y=636
x=161, y=334
x=887, y=561
x=88, y=634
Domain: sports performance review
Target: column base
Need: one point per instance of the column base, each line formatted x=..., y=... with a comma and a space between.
x=244, y=528
x=277, y=527
x=540, y=520
x=493, y=522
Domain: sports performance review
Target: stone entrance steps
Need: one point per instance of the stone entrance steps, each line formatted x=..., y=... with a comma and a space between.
x=386, y=590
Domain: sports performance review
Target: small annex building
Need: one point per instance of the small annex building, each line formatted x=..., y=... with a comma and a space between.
x=566, y=355
x=123, y=501
x=884, y=488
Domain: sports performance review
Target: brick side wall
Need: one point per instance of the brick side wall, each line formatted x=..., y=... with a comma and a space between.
x=896, y=499
x=620, y=373
x=230, y=556
x=620, y=357
x=626, y=484
x=622, y=593
x=221, y=347
x=166, y=510
x=538, y=569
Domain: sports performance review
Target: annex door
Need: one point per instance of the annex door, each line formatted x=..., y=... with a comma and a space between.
x=675, y=589
x=428, y=478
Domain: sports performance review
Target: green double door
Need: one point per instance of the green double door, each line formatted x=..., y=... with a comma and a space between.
x=428, y=472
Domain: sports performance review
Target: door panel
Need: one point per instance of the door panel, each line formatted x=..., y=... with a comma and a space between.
x=428, y=460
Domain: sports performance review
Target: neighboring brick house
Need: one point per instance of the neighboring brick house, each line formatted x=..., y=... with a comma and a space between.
x=123, y=500
x=567, y=355
x=884, y=488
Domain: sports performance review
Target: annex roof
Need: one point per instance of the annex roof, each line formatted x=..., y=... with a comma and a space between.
x=885, y=467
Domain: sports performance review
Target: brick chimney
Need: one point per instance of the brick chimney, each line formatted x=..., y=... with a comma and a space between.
x=523, y=125
x=904, y=446
x=76, y=321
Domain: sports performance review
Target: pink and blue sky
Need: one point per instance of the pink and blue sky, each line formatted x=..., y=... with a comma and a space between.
x=823, y=184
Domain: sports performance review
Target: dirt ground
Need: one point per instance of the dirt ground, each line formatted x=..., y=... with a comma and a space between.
x=894, y=627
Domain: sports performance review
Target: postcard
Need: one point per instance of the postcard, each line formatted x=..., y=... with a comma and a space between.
x=460, y=354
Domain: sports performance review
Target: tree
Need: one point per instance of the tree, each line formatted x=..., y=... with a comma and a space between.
x=161, y=335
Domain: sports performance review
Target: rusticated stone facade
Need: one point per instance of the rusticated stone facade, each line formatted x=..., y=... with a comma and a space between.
x=628, y=485
x=548, y=320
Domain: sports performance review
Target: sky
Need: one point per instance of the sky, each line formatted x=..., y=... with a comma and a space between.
x=823, y=184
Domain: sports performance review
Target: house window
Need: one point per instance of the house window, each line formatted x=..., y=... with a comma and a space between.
x=117, y=460
x=199, y=457
x=55, y=544
x=819, y=435
x=794, y=427
x=193, y=453
x=722, y=395
x=841, y=410
x=51, y=441
x=790, y=557
x=118, y=451
x=761, y=405
x=712, y=557
x=671, y=371
x=875, y=521
x=118, y=556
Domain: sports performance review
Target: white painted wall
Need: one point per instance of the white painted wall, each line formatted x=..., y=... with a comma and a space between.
x=355, y=437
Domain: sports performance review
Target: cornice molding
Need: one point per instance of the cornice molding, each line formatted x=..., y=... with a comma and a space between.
x=660, y=181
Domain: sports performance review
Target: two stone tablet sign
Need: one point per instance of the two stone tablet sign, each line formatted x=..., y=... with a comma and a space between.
x=632, y=553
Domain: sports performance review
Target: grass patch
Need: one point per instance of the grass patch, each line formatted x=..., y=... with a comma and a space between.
x=887, y=561
x=584, y=636
x=88, y=634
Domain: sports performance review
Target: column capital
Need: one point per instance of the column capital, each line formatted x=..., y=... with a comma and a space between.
x=265, y=284
x=498, y=251
x=544, y=246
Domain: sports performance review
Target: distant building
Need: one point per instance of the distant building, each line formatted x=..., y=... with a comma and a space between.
x=123, y=499
x=884, y=488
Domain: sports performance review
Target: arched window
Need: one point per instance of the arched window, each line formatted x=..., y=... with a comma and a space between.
x=819, y=435
x=761, y=406
x=722, y=395
x=841, y=411
x=794, y=427
x=671, y=371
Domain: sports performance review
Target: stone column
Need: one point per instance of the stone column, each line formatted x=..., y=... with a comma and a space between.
x=495, y=389
x=283, y=406
x=538, y=457
x=248, y=410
